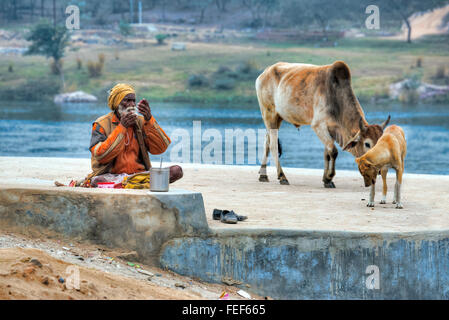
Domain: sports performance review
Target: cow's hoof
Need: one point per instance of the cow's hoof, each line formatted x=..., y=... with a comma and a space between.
x=284, y=181
x=399, y=206
x=330, y=185
x=383, y=201
x=370, y=204
x=263, y=178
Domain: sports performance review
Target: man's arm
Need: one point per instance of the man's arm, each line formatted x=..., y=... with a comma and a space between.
x=156, y=139
x=104, y=149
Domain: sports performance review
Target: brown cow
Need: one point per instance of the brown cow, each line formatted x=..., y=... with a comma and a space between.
x=320, y=96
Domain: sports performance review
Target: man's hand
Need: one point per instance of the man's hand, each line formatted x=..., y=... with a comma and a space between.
x=128, y=119
x=144, y=109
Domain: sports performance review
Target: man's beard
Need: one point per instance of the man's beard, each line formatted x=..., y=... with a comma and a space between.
x=122, y=110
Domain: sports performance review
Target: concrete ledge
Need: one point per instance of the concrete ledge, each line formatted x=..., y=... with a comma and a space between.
x=297, y=264
x=131, y=219
x=300, y=242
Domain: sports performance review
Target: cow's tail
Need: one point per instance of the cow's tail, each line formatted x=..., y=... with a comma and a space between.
x=279, y=148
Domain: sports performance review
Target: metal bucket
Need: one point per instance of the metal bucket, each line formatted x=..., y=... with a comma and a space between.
x=159, y=179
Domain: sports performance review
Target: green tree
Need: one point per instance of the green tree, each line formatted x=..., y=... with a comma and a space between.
x=49, y=41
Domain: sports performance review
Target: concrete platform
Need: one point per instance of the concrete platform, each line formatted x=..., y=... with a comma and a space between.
x=300, y=242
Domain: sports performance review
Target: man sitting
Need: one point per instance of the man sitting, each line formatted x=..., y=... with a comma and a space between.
x=114, y=144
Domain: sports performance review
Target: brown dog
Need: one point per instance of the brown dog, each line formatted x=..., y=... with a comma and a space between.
x=389, y=152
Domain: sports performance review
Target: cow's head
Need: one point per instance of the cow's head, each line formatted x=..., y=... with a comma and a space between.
x=365, y=138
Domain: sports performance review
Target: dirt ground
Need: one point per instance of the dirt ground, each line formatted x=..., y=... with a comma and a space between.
x=32, y=268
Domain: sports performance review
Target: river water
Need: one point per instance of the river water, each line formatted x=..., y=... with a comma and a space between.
x=37, y=129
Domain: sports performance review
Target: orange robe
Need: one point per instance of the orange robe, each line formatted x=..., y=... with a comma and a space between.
x=121, y=144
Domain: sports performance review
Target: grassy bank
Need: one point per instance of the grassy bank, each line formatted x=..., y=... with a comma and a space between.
x=228, y=70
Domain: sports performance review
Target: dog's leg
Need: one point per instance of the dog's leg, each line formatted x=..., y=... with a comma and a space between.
x=384, y=172
x=371, y=196
x=397, y=189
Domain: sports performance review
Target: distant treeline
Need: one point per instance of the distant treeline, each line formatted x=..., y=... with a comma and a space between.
x=313, y=14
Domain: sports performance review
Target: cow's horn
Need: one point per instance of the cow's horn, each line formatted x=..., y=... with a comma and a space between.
x=362, y=125
x=383, y=125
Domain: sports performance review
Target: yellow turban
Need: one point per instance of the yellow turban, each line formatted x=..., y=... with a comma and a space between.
x=117, y=94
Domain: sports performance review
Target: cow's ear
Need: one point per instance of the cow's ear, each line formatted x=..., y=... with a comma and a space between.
x=352, y=142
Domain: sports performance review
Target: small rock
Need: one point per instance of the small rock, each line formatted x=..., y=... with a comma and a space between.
x=180, y=285
x=129, y=256
x=268, y=298
x=92, y=287
x=244, y=294
x=25, y=260
x=28, y=271
x=45, y=281
x=78, y=96
x=145, y=272
x=36, y=262
x=230, y=281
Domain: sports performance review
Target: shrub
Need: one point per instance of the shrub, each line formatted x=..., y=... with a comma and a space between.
x=160, y=37
x=197, y=80
x=96, y=68
x=224, y=84
x=33, y=89
x=101, y=58
x=409, y=96
x=125, y=28
x=440, y=73
x=10, y=68
x=247, y=67
x=223, y=70
x=419, y=62
x=79, y=63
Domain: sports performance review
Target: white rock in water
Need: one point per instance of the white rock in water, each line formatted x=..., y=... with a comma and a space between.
x=178, y=46
x=425, y=90
x=73, y=97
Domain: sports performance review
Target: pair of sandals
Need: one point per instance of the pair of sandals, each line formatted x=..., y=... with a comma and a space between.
x=227, y=216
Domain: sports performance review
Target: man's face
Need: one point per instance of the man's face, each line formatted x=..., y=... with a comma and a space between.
x=127, y=105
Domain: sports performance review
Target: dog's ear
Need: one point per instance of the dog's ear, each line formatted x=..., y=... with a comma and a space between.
x=368, y=163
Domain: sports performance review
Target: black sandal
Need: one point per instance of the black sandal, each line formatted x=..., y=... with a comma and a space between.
x=218, y=215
